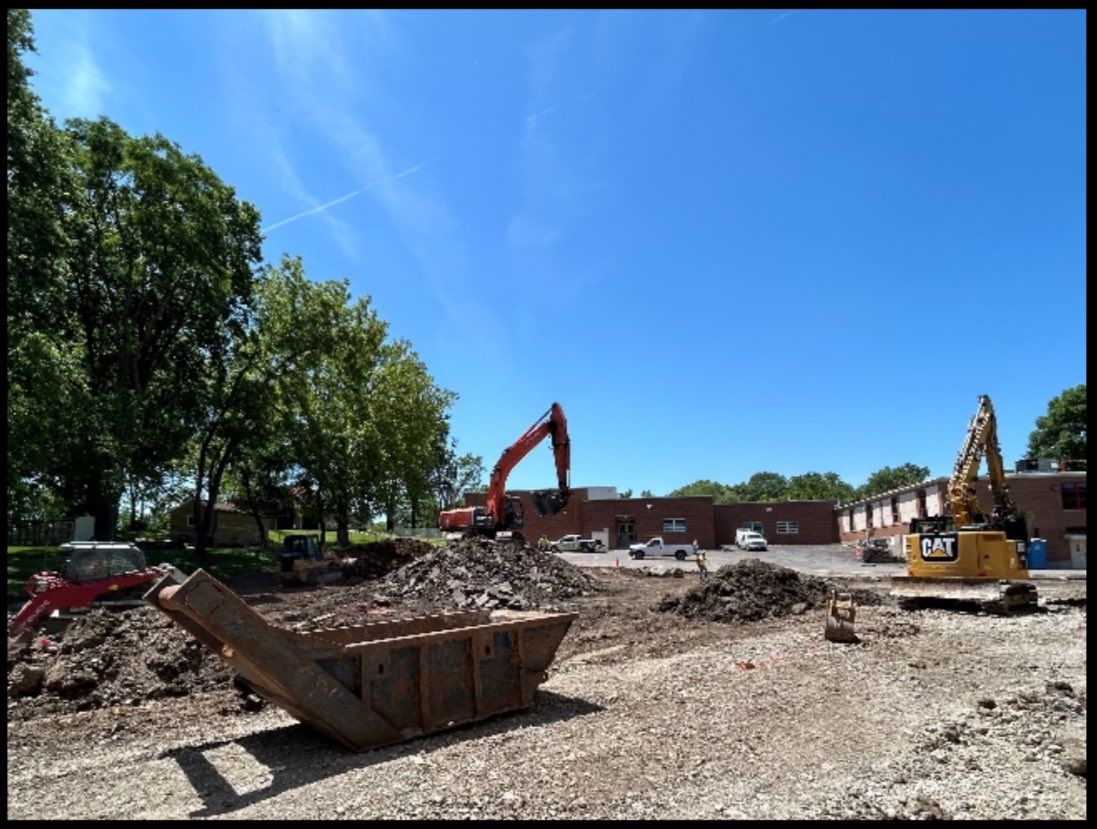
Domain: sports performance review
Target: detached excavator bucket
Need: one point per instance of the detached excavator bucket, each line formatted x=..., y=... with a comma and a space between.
x=379, y=683
x=840, y=614
x=549, y=502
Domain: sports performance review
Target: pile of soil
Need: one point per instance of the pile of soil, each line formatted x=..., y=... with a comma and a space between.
x=106, y=659
x=476, y=573
x=378, y=558
x=748, y=591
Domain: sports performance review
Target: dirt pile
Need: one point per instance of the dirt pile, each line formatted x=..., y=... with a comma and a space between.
x=378, y=558
x=748, y=591
x=107, y=659
x=477, y=573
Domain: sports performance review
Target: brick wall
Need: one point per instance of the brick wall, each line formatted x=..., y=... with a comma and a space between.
x=816, y=521
x=601, y=515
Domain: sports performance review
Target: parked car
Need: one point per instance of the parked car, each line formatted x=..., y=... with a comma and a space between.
x=573, y=543
x=752, y=541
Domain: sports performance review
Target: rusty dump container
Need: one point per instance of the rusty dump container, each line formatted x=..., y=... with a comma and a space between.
x=379, y=683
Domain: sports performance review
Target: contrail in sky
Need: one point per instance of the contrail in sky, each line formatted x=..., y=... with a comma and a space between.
x=349, y=195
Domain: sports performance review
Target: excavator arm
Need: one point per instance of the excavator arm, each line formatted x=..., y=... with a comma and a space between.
x=552, y=423
x=965, y=472
x=502, y=513
x=982, y=439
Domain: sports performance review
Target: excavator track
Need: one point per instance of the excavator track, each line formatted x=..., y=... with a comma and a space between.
x=998, y=596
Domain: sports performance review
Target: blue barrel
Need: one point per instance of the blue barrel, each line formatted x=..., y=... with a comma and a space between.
x=1037, y=554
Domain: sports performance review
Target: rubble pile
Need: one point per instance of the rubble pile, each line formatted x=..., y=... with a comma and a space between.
x=748, y=591
x=109, y=658
x=477, y=573
x=378, y=558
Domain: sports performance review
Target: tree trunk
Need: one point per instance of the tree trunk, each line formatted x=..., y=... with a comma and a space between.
x=103, y=505
x=253, y=507
x=320, y=514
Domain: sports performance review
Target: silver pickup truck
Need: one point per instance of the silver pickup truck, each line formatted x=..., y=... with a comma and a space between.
x=574, y=544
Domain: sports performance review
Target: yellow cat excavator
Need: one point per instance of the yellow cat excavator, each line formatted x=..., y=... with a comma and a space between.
x=967, y=556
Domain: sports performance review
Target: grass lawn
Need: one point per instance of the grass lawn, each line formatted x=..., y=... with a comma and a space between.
x=220, y=562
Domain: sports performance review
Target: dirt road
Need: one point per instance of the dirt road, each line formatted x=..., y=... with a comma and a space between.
x=648, y=712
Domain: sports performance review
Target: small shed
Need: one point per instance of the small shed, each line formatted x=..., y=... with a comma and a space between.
x=233, y=525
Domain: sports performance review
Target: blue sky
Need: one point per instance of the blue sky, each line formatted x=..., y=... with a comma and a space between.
x=726, y=241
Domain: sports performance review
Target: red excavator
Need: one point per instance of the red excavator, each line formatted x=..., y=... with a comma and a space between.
x=502, y=517
x=97, y=572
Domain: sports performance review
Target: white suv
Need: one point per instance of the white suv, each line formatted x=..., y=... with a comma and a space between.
x=752, y=541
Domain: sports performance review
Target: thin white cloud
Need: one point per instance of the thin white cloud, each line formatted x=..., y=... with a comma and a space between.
x=347, y=196
x=781, y=17
x=330, y=68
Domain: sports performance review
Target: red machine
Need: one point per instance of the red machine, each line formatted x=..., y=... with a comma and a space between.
x=95, y=570
x=503, y=517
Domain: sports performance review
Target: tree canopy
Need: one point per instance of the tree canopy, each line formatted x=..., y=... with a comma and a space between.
x=1061, y=433
x=148, y=343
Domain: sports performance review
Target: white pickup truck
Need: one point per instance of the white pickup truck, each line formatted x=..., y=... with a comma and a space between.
x=576, y=544
x=656, y=547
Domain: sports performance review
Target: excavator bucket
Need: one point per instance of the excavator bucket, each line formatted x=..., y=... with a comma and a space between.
x=840, y=614
x=378, y=683
x=549, y=502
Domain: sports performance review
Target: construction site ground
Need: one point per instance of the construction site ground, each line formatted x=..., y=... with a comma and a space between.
x=669, y=698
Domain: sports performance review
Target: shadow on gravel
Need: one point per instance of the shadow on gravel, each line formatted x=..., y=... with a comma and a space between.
x=297, y=755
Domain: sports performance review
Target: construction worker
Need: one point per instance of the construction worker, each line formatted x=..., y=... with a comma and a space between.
x=702, y=565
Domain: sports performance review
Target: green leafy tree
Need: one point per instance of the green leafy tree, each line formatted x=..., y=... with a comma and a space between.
x=324, y=350
x=721, y=493
x=1061, y=433
x=626, y=493
x=819, y=486
x=44, y=381
x=453, y=475
x=147, y=281
x=765, y=486
x=414, y=412
x=888, y=478
x=160, y=276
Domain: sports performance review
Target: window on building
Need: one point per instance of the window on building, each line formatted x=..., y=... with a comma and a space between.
x=190, y=520
x=788, y=527
x=756, y=526
x=894, y=510
x=868, y=517
x=674, y=525
x=921, y=503
x=1074, y=495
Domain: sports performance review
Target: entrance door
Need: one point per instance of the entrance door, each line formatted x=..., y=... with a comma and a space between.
x=626, y=531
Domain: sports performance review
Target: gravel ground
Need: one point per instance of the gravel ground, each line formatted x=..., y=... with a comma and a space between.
x=653, y=708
